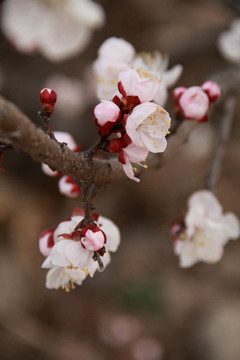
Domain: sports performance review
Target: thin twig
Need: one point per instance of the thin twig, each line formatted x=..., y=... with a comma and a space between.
x=225, y=125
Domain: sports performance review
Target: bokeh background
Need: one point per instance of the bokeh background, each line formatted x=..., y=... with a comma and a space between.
x=144, y=306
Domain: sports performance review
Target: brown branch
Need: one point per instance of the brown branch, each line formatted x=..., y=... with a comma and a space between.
x=227, y=114
x=16, y=128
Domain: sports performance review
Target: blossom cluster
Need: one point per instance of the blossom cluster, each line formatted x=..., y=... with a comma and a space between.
x=205, y=230
x=139, y=124
x=72, y=246
x=116, y=55
x=67, y=186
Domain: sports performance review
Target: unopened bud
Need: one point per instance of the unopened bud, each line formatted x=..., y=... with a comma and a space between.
x=93, y=238
x=107, y=114
x=212, y=90
x=46, y=241
x=48, y=98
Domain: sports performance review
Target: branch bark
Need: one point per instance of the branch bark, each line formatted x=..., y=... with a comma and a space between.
x=18, y=129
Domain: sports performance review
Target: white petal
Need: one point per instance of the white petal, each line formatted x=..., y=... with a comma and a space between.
x=231, y=226
x=64, y=227
x=171, y=76
x=86, y=13
x=129, y=80
x=112, y=233
x=117, y=49
x=128, y=169
x=187, y=253
x=80, y=257
x=135, y=153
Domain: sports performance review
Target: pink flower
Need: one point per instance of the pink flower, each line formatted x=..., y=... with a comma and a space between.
x=193, y=103
x=93, y=238
x=46, y=242
x=147, y=127
x=67, y=186
x=135, y=154
x=140, y=83
x=107, y=113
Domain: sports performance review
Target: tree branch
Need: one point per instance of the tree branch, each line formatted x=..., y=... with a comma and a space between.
x=16, y=128
x=227, y=114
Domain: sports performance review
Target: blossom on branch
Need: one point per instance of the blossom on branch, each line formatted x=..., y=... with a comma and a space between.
x=140, y=83
x=205, y=230
x=57, y=29
x=147, y=126
x=193, y=103
x=107, y=114
x=135, y=154
x=116, y=55
x=158, y=64
x=139, y=124
x=229, y=42
x=76, y=244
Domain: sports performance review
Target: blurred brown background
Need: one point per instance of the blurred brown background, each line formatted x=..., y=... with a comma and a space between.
x=144, y=306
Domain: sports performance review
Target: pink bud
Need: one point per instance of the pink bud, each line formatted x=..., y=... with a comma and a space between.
x=212, y=90
x=107, y=113
x=93, y=238
x=48, y=98
x=194, y=103
x=46, y=242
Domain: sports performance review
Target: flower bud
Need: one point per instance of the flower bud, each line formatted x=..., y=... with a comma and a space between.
x=93, y=238
x=212, y=90
x=192, y=103
x=46, y=242
x=107, y=113
x=48, y=98
x=67, y=186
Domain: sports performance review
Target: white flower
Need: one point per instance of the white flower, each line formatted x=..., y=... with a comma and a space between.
x=117, y=55
x=158, y=64
x=207, y=230
x=58, y=29
x=229, y=42
x=114, y=55
x=135, y=154
x=69, y=261
x=148, y=125
x=62, y=137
